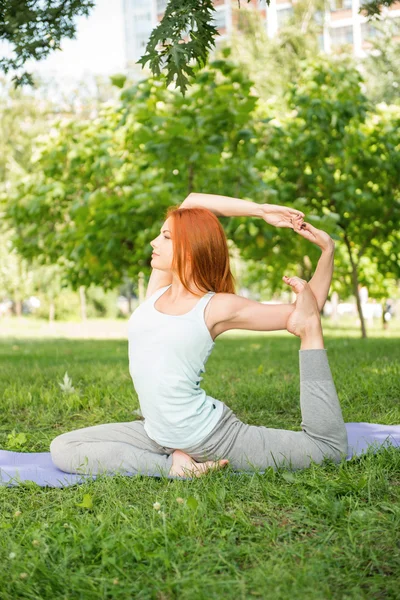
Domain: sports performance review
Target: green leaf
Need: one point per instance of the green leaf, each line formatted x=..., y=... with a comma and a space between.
x=253, y=229
x=16, y=440
x=118, y=80
x=192, y=503
x=87, y=502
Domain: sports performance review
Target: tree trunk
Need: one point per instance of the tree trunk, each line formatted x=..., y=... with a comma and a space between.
x=354, y=277
x=82, y=298
x=357, y=295
x=18, y=307
x=52, y=311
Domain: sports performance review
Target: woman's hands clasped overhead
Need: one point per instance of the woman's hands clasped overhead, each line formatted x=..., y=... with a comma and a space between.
x=283, y=216
x=317, y=236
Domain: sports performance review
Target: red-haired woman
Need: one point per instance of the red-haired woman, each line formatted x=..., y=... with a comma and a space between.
x=190, y=301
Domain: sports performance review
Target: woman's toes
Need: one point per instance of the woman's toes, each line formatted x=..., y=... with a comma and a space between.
x=295, y=283
x=184, y=465
x=202, y=468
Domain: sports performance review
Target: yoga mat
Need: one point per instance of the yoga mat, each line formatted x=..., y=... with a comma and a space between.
x=16, y=467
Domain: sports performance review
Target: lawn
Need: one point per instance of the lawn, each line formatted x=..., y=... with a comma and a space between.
x=329, y=531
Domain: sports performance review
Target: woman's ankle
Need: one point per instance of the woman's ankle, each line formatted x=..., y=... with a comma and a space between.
x=311, y=337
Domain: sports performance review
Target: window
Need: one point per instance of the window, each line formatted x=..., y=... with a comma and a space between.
x=284, y=15
x=139, y=4
x=142, y=23
x=219, y=18
x=141, y=40
x=341, y=35
x=368, y=31
x=340, y=5
x=140, y=17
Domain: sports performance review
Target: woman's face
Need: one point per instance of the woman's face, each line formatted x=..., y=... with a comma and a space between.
x=162, y=247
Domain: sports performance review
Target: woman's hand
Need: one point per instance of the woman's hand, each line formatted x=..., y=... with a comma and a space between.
x=282, y=216
x=317, y=236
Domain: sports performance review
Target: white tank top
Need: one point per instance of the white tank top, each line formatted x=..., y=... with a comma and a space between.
x=167, y=354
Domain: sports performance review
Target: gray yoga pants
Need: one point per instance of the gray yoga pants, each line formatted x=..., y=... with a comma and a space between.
x=126, y=447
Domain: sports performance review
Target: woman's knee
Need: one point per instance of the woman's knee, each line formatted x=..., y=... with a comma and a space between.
x=62, y=451
x=341, y=442
x=340, y=450
x=343, y=446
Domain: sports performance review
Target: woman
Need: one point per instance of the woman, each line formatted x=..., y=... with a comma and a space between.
x=190, y=301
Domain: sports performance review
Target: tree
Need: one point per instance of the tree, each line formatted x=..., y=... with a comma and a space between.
x=272, y=62
x=101, y=187
x=35, y=28
x=91, y=204
x=48, y=282
x=335, y=155
x=23, y=117
x=16, y=278
x=381, y=66
x=192, y=19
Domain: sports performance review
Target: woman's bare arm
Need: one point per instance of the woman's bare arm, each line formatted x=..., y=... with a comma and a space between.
x=223, y=206
x=321, y=280
x=235, y=312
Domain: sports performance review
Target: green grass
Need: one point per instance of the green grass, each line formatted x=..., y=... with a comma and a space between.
x=329, y=531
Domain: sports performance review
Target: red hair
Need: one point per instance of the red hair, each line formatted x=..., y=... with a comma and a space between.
x=198, y=234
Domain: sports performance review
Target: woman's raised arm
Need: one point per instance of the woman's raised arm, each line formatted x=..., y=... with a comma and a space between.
x=321, y=280
x=225, y=206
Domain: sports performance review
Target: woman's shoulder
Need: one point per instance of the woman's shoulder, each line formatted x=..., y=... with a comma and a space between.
x=221, y=304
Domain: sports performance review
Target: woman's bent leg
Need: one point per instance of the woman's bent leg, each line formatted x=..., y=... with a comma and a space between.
x=322, y=418
x=323, y=432
x=111, y=447
x=249, y=447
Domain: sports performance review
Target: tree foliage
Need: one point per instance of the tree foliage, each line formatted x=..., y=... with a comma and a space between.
x=272, y=62
x=91, y=204
x=335, y=155
x=192, y=16
x=23, y=117
x=166, y=48
x=100, y=188
x=16, y=278
x=381, y=66
x=35, y=28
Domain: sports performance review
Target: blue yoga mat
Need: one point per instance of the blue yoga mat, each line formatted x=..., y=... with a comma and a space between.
x=16, y=467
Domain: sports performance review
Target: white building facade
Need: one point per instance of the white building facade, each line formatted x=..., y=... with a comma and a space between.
x=342, y=23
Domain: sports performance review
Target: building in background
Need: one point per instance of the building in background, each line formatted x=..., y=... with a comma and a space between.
x=140, y=18
x=342, y=23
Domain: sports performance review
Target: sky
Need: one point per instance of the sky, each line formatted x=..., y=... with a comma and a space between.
x=98, y=48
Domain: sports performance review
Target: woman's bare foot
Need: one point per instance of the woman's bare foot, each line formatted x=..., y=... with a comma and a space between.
x=305, y=320
x=183, y=464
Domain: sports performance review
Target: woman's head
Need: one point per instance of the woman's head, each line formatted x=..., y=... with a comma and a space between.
x=192, y=244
